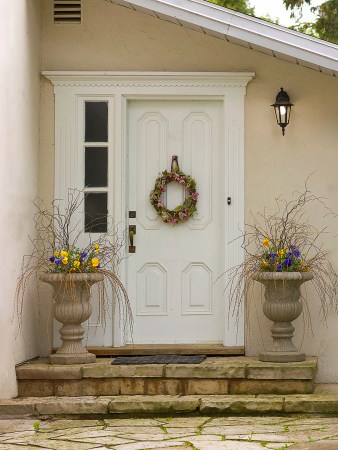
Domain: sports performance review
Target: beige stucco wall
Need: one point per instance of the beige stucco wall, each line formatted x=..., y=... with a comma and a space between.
x=20, y=37
x=115, y=38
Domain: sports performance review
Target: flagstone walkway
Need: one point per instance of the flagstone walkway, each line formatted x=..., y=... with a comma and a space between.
x=199, y=433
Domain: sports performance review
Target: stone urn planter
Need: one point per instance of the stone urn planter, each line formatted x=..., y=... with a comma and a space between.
x=71, y=308
x=282, y=306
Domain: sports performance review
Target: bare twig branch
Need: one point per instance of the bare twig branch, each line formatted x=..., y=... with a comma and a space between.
x=58, y=228
x=287, y=228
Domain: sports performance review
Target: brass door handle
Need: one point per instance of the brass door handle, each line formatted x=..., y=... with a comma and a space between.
x=132, y=232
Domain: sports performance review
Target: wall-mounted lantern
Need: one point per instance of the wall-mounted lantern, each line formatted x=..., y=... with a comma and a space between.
x=282, y=107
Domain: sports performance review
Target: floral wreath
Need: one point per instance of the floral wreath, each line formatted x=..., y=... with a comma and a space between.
x=182, y=212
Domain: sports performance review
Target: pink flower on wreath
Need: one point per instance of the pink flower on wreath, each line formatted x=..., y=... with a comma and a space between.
x=194, y=195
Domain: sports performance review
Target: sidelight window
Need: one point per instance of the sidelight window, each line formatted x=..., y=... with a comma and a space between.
x=96, y=166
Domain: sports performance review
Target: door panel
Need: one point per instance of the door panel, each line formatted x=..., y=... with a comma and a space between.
x=171, y=277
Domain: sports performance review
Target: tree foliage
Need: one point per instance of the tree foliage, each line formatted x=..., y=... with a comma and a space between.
x=324, y=27
x=326, y=24
x=291, y=4
x=242, y=6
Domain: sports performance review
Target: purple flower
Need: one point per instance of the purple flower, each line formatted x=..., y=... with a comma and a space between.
x=83, y=255
x=52, y=259
x=279, y=267
x=57, y=261
x=296, y=253
x=287, y=262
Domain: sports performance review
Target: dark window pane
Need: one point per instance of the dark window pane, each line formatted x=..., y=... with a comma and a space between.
x=96, y=212
x=96, y=164
x=96, y=121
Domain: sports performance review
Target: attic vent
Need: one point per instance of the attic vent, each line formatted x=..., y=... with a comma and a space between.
x=67, y=12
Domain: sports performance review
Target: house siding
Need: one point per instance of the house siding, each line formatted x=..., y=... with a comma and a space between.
x=20, y=37
x=113, y=38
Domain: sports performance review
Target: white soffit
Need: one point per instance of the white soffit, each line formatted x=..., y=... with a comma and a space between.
x=242, y=29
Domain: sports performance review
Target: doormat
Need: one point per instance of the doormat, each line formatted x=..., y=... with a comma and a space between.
x=159, y=359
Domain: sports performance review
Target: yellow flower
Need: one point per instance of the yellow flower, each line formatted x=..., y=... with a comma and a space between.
x=97, y=248
x=64, y=254
x=266, y=242
x=65, y=261
x=95, y=262
x=265, y=263
x=76, y=264
x=56, y=254
x=282, y=252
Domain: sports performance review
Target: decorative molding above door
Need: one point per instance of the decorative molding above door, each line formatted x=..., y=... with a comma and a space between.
x=149, y=79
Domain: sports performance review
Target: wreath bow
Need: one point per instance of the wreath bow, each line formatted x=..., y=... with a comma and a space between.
x=182, y=212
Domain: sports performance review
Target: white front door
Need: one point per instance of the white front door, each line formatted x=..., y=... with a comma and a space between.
x=172, y=276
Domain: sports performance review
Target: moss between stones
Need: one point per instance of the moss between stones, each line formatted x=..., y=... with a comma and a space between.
x=163, y=428
x=190, y=445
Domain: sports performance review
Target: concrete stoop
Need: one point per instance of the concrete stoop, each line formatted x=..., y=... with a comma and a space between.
x=214, y=376
x=319, y=403
x=219, y=385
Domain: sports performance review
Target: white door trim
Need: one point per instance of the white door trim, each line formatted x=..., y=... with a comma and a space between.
x=230, y=87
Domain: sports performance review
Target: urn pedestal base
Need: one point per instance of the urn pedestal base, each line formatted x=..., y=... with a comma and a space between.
x=281, y=356
x=72, y=358
x=72, y=350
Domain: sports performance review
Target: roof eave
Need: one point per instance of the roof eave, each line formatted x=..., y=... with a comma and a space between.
x=251, y=30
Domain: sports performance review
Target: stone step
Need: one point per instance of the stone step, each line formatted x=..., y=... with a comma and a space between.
x=167, y=349
x=324, y=401
x=214, y=376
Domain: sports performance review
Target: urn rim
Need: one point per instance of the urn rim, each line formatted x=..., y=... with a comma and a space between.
x=49, y=276
x=282, y=276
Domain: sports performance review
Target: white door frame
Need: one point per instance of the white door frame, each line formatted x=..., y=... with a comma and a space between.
x=229, y=87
